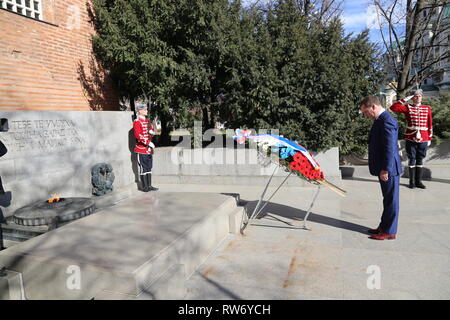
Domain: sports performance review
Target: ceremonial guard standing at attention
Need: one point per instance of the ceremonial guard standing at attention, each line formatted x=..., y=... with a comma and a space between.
x=143, y=132
x=418, y=134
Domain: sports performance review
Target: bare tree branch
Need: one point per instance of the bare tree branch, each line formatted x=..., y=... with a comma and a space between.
x=391, y=25
x=424, y=29
x=391, y=53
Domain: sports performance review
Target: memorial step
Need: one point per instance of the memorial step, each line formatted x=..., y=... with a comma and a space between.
x=140, y=247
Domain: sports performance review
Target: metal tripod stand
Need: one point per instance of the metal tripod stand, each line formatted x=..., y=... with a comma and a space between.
x=260, y=205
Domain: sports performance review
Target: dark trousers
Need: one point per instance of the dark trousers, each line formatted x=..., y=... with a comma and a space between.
x=390, y=191
x=145, y=163
x=416, y=151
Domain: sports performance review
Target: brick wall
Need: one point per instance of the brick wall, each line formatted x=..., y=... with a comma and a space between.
x=49, y=65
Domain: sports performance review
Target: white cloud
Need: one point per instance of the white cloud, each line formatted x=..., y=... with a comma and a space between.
x=354, y=21
x=361, y=17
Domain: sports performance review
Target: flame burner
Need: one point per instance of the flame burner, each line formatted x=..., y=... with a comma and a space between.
x=55, y=198
x=48, y=213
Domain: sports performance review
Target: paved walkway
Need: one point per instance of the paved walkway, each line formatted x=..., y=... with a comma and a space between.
x=335, y=260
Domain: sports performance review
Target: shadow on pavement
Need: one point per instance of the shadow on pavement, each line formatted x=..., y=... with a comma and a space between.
x=297, y=214
x=402, y=184
x=224, y=290
x=440, y=180
x=360, y=179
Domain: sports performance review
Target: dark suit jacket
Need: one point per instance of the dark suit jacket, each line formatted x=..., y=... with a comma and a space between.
x=383, y=146
x=3, y=149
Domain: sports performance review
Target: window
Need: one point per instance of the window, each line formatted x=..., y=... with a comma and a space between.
x=29, y=8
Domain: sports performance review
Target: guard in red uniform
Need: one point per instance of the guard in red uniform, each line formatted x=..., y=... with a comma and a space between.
x=143, y=132
x=418, y=134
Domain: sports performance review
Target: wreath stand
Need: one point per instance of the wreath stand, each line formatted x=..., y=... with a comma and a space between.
x=260, y=205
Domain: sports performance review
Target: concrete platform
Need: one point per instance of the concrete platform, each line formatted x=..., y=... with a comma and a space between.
x=274, y=260
x=144, y=247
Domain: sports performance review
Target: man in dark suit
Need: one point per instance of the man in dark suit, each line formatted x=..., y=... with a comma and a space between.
x=384, y=162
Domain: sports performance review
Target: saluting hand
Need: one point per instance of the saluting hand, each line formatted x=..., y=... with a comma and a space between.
x=408, y=98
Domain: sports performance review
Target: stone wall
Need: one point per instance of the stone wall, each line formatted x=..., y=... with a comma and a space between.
x=53, y=152
x=229, y=166
x=436, y=163
x=436, y=155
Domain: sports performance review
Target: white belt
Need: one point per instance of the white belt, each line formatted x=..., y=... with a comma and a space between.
x=418, y=135
x=417, y=128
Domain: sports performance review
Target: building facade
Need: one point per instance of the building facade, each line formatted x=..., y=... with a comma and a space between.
x=47, y=62
x=441, y=79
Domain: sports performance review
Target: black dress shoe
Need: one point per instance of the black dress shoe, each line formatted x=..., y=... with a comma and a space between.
x=374, y=231
x=420, y=185
x=419, y=172
x=149, y=183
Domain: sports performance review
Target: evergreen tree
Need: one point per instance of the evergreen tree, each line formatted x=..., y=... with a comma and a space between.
x=131, y=42
x=304, y=80
x=274, y=68
x=441, y=117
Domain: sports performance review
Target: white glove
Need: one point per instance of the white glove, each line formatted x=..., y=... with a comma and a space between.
x=428, y=143
x=408, y=98
x=151, y=145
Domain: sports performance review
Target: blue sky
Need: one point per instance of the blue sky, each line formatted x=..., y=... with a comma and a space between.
x=356, y=17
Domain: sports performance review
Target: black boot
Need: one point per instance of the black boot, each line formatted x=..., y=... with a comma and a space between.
x=144, y=183
x=412, y=177
x=419, y=183
x=149, y=183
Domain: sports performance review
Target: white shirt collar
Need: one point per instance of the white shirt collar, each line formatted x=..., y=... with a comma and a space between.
x=382, y=110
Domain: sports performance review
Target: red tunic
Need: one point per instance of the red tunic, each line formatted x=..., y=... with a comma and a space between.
x=144, y=143
x=419, y=121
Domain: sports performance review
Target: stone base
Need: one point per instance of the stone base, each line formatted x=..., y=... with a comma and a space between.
x=144, y=247
x=15, y=232
x=11, y=286
x=114, y=197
